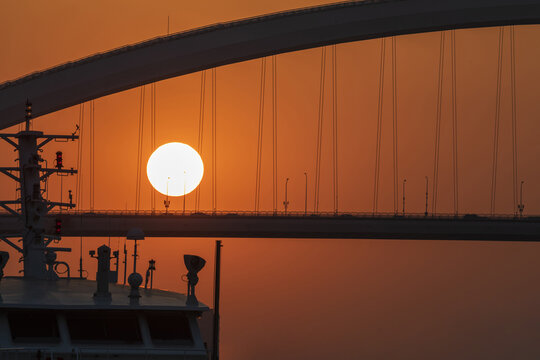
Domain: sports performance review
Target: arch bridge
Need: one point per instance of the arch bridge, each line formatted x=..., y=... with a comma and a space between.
x=226, y=43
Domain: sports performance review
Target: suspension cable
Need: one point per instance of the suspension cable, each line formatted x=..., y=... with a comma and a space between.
x=80, y=158
x=79, y=197
x=454, y=122
x=139, y=149
x=514, y=117
x=394, y=123
x=153, y=134
x=335, y=129
x=379, y=127
x=92, y=154
x=274, y=133
x=214, y=143
x=438, y=125
x=320, y=129
x=201, y=132
x=260, y=135
x=497, y=121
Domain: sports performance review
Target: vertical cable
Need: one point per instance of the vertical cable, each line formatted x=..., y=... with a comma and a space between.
x=79, y=196
x=394, y=124
x=320, y=129
x=514, y=117
x=139, y=150
x=214, y=143
x=455, y=167
x=80, y=157
x=260, y=135
x=379, y=128
x=201, y=133
x=274, y=133
x=92, y=154
x=438, y=126
x=497, y=121
x=153, y=136
x=335, y=129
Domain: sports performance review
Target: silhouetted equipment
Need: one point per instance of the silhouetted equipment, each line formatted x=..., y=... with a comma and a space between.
x=150, y=273
x=58, y=226
x=194, y=264
x=50, y=259
x=134, y=281
x=59, y=164
x=125, y=263
x=113, y=275
x=28, y=114
x=4, y=257
x=135, y=234
x=102, y=275
x=33, y=207
x=217, y=286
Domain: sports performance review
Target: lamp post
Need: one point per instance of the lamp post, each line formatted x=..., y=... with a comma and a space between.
x=166, y=202
x=427, y=184
x=184, y=207
x=286, y=202
x=404, y=182
x=521, y=206
x=305, y=197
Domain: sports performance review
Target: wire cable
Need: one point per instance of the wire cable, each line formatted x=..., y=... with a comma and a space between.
x=139, y=149
x=201, y=133
x=335, y=129
x=320, y=129
x=514, y=117
x=379, y=127
x=80, y=179
x=274, y=134
x=394, y=124
x=79, y=197
x=438, y=125
x=214, y=142
x=497, y=121
x=153, y=135
x=260, y=135
x=92, y=153
x=455, y=166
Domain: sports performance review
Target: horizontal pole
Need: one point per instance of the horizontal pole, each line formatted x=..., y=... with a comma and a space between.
x=291, y=226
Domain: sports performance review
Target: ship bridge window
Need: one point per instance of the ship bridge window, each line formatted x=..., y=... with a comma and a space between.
x=33, y=326
x=103, y=326
x=169, y=328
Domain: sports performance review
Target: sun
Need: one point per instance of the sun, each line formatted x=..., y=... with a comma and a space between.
x=175, y=169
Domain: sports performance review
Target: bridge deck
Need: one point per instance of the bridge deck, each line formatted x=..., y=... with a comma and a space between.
x=249, y=225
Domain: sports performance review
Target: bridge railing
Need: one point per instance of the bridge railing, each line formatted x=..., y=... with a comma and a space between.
x=295, y=214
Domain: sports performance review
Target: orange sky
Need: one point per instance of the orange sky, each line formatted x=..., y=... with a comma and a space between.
x=363, y=298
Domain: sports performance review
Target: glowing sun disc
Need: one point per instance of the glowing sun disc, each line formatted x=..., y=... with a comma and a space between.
x=175, y=169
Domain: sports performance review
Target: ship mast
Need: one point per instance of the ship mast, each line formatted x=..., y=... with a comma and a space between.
x=38, y=257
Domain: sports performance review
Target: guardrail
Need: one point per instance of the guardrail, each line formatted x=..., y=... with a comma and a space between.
x=381, y=215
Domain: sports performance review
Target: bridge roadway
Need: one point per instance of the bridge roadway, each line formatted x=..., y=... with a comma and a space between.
x=292, y=225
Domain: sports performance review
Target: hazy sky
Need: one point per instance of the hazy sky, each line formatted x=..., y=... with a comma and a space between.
x=316, y=299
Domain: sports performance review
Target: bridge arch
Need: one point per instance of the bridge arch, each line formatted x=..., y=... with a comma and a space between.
x=226, y=43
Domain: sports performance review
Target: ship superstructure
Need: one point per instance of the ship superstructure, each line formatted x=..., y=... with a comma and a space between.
x=47, y=314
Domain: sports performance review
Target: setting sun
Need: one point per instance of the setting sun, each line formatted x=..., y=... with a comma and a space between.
x=175, y=169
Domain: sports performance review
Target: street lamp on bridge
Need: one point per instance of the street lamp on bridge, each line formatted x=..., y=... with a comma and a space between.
x=286, y=202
